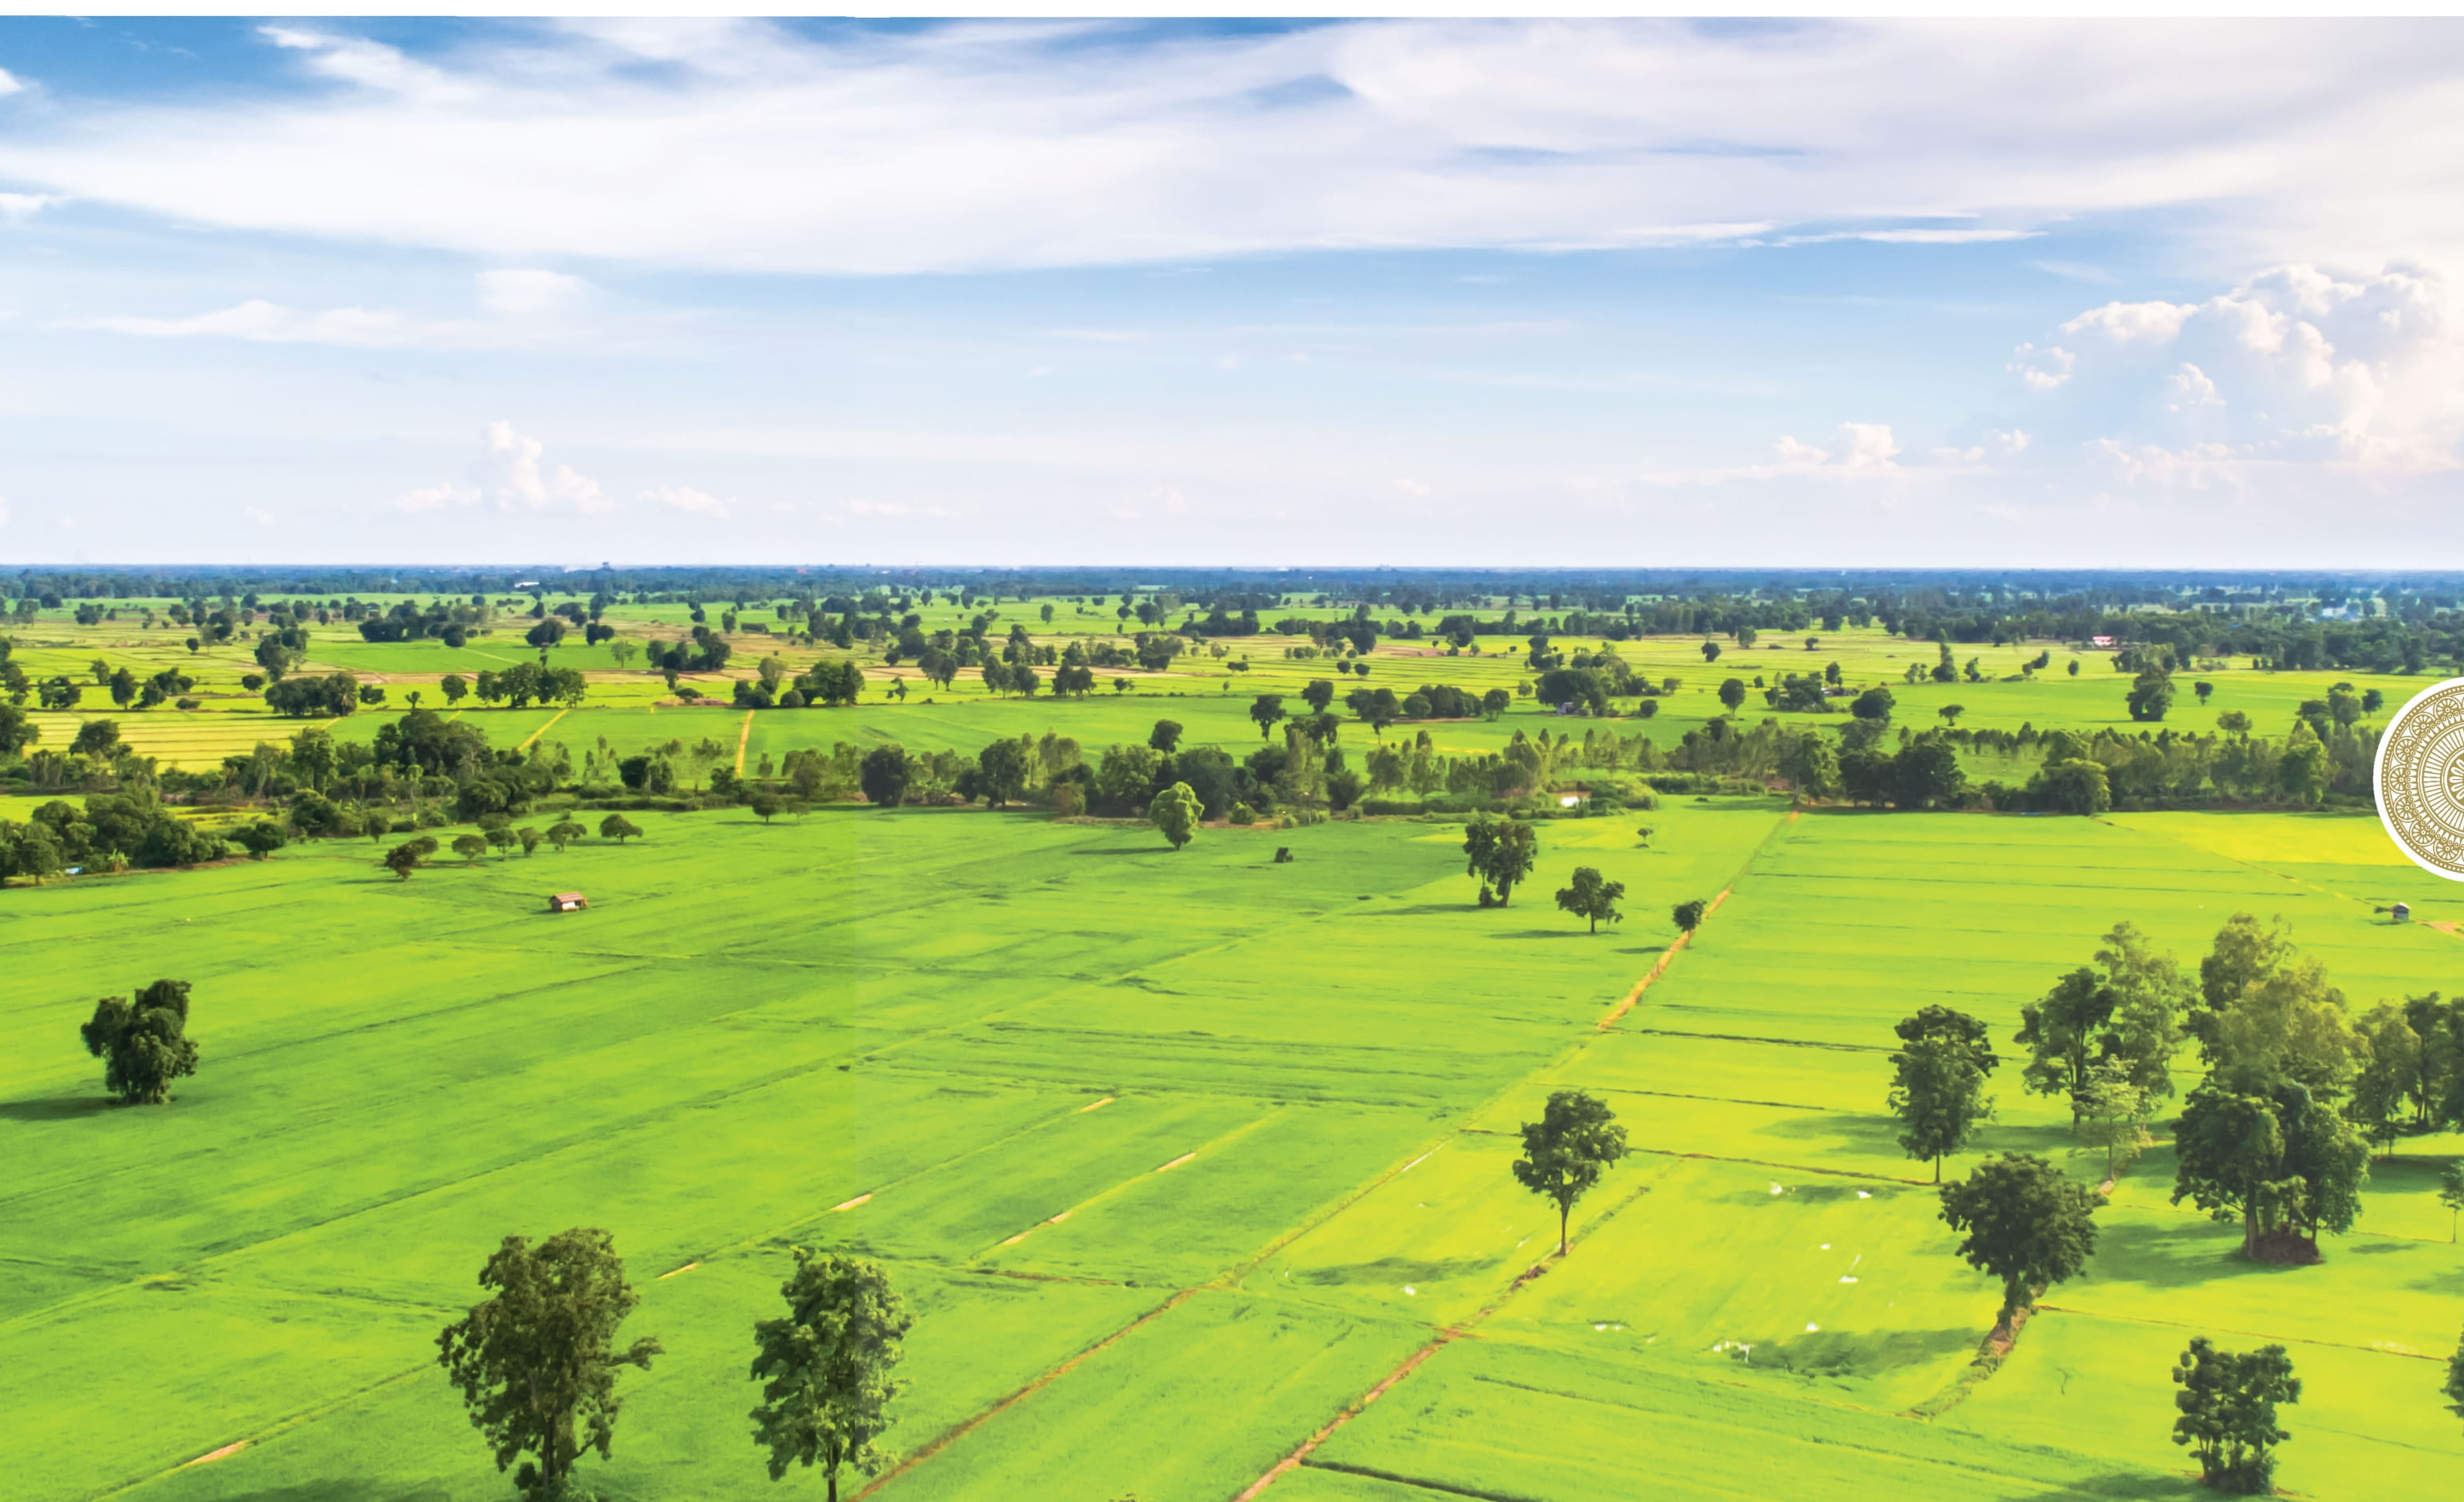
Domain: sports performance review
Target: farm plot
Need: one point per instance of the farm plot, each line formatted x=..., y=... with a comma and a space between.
x=1056, y=1075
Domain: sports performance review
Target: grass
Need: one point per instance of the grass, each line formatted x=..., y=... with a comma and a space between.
x=1175, y=1156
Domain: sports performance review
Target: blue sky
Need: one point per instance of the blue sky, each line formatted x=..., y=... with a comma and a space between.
x=1414, y=293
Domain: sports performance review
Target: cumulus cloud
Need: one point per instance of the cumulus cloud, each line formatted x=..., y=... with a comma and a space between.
x=1857, y=446
x=2041, y=370
x=509, y=476
x=1999, y=446
x=991, y=145
x=2300, y=365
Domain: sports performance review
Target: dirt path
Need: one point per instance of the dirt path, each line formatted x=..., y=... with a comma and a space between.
x=534, y=736
x=1453, y=1332
x=743, y=737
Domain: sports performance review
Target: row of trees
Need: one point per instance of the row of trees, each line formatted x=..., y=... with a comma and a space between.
x=537, y=1359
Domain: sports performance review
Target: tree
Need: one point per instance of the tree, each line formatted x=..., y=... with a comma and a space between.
x=616, y=827
x=1688, y=915
x=402, y=859
x=1593, y=898
x=2280, y=1160
x=1938, y=1083
x=2125, y=1010
x=1951, y=713
x=470, y=847
x=827, y=1366
x=1927, y=772
x=1001, y=772
x=260, y=838
x=766, y=805
x=2288, y=1024
x=1874, y=704
x=2228, y=1412
x=144, y=1042
x=563, y=832
x=1175, y=811
x=530, y=839
x=1269, y=709
x=536, y=1360
x=1576, y=1141
x=2025, y=1221
x=1499, y=852
x=453, y=686
x=1165, y=737
x=2112, y=1113
x=883, y=775
x=2450, y=1194
x=2151, y=695
x=2382, y=1091
x=1812, y=765
x=1732, y=695
x=1711, y=651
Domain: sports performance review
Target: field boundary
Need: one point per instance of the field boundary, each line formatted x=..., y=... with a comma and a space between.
x=1669, y=955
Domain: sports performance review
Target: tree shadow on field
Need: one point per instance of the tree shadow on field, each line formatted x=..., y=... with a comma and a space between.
x=343, y=1490
x=1126, y=850
x=1394, y=1269
x=1547, y=933
x=61, y=1108
x=1856, y=1132
x=1424, y=909
x=2123, y=1484
x=2187, y=1255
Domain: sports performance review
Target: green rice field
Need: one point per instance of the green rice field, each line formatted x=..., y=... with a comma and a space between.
x=1175, y=1156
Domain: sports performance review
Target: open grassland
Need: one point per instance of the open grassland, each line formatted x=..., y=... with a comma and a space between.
x=1177, y=1155
x=632, y=707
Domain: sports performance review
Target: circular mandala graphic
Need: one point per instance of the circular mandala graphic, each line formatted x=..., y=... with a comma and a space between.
x=2421, y=780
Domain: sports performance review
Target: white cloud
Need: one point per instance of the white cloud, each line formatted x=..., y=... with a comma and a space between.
x=691, y=502
x=1913, y=237
x=2189, y=390
x=258, y=515
x=1857, y=446
x=741, y=146
x=2041, y=370
x=515, y=294
x=2296, y=366
x=14, y=206
x=509, y=476
x=523, y=307
x=10, y=83
x=1999, y=446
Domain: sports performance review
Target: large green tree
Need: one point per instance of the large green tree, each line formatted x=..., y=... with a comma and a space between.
x=1565, y=1153
x=2024, y=1222
x=2126, y=1011
x=536, y=1360
x=2279, y=1161
x=144, y=1042
x=1268, y=708
x=1499, y=852
x=1175, y=811
x=1591, y=896
x=884, y=774
x=826, y=1367
x=1938, y=1083
x=2226, y=1408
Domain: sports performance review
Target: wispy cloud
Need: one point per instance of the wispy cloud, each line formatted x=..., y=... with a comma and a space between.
x=519, y=307
x=743, y=146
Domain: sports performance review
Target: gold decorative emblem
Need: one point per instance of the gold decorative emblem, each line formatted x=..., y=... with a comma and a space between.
x=2421, y=779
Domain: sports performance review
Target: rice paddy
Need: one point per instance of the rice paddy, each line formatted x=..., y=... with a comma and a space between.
x=1177, y=1155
